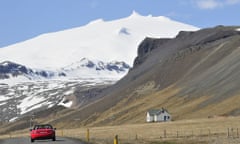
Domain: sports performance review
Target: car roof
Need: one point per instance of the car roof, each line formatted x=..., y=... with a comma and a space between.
x=43, y=125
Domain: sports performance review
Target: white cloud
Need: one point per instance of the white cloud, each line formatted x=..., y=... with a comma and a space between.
x=209, y=4
x=232, y=2
x=213, y=4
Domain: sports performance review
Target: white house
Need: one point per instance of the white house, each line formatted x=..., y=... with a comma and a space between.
x=158, y=115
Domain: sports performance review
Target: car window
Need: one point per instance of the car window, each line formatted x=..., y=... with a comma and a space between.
x=42, y=127
x=47, y=127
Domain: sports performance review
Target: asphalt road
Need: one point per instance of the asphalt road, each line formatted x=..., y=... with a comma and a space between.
x=59, y=140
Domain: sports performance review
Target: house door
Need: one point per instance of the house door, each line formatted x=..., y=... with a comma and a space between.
x=165, y=118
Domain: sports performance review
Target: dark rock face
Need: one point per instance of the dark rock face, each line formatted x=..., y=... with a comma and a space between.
x=90, y=64
x=146, y=47
x=117, y=66
x=184, y=40
x=111, y=66
x=8, y=69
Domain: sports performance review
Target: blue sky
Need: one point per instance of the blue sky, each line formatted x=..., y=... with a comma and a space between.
x=23, y=19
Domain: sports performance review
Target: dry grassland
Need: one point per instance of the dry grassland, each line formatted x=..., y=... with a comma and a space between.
x=217, y=130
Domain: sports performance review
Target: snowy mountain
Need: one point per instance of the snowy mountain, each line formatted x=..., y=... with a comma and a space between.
x=103, y=40
x=44, y=71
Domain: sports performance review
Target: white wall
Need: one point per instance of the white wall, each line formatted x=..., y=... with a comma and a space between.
x=149, y=118
x=163, y=117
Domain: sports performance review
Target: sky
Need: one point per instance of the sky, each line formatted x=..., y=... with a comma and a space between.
x=24, y=19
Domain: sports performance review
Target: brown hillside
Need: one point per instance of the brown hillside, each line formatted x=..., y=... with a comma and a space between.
x=195, y=75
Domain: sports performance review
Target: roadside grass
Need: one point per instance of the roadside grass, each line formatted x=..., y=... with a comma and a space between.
x=219, y=130
x=195, y=131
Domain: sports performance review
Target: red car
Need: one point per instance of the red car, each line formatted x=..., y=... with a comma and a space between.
x=40, y=132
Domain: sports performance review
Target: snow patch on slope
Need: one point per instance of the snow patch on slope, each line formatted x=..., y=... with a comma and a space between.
x=31, y=103
x=66, y=103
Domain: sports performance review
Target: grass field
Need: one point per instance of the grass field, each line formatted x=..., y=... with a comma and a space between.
x=213, y=130
x=217, y=130
x=223, y=129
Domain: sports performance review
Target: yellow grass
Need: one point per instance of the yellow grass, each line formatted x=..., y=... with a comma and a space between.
x=189, y=130
x=195, y=128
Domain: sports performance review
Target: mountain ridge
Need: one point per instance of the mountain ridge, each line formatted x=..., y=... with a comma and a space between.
x=94, y=68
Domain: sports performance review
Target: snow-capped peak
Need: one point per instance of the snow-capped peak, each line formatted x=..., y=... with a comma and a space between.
x=135, y=14
x=103, y=40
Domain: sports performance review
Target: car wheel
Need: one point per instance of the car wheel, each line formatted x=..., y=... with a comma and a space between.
x=32, y=140
x=54, y=138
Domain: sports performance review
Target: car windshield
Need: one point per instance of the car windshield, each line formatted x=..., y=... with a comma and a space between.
x=42, y=127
